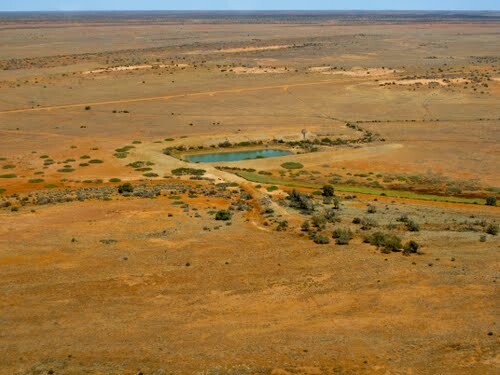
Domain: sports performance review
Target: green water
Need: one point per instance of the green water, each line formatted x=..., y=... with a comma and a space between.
x=235, y=156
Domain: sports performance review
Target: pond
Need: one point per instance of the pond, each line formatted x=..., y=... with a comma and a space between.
x=235, y=156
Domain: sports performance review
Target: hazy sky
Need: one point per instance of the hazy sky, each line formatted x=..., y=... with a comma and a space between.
x=9, y=5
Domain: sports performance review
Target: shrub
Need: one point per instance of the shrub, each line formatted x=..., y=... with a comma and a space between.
x=368, y=223
x=492, y=229
x=301, y=201
x=223, y=215
x=95, y=161
x=282, y=226
x=8, y=166
x=386, y=241
x=150, y=174
x=8, y=175
x=491, y=200
x=371, y=209
x=292, y=165
x=87, y=108
x=342, y=236
x=114, y=180
x=321, y=239
x=356, y=220
x=272, y=188
x=328, y=191
x=188, y=171
x=66, y=170
x=36, y=180
x=319, y=221
x=126, y=188
x=412, y=226
x=411, y=247
x=305, y=227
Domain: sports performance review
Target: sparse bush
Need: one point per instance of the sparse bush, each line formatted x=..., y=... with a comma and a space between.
x=223, y=215
x=114, y=179
x=492, y=229
x=482, y=238
x=282, y=226
x=150, y=174
x=342, y=236
x=305, y=227
x=411, y=247
x=36, y=180
x=371, y=209
x=8, y=175
x=491, y=200
x=368, y=223
x=301, y=201
x=96, y=161
x=319, y=221
x=412, y=226
x=356, y=220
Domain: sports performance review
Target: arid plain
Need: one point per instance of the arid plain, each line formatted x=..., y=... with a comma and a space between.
x=120, y=256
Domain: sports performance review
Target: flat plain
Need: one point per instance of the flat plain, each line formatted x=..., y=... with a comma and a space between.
x=118, y=256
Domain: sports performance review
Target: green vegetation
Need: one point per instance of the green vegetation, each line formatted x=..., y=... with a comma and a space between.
x=136, y=142
x=66, y=170
x=115, y=179
x=50, y=186
x=491, y=200
x=328, y=191
x=8, y=166
x=492, y=229
x=342, y=236
x=150, y=174
x=8, y=175
x=292, y=165
x=2, y=190
x=188, y=171
x=126, y=188
x=272, y=188
x=358, y=189
x=36, y=180
x=387, y=242
x=223, y=215
x=96, y=161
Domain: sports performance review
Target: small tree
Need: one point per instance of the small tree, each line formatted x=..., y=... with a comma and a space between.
x=328, y=191
x=491, y=200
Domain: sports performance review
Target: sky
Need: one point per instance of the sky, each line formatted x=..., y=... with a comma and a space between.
x=68, y=5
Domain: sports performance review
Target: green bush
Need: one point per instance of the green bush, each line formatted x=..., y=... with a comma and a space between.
x=292, y=165
x=491, y=200
x=114, y=179
x=66, y=170
x=96, y=161
x=188, y=171
x=126, y=188
x=223, y=215
x=36, y=180
x=150, y=174
x=272, y=188
x=321, y=239
x=8, y=166
x=328, y=191
x=386, y=241
x=8, y=175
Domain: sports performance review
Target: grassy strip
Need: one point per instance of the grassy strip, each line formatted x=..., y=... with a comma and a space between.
x=262, y=179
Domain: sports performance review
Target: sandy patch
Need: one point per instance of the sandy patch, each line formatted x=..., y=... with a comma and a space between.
x=241, y=49
x=132, y=67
